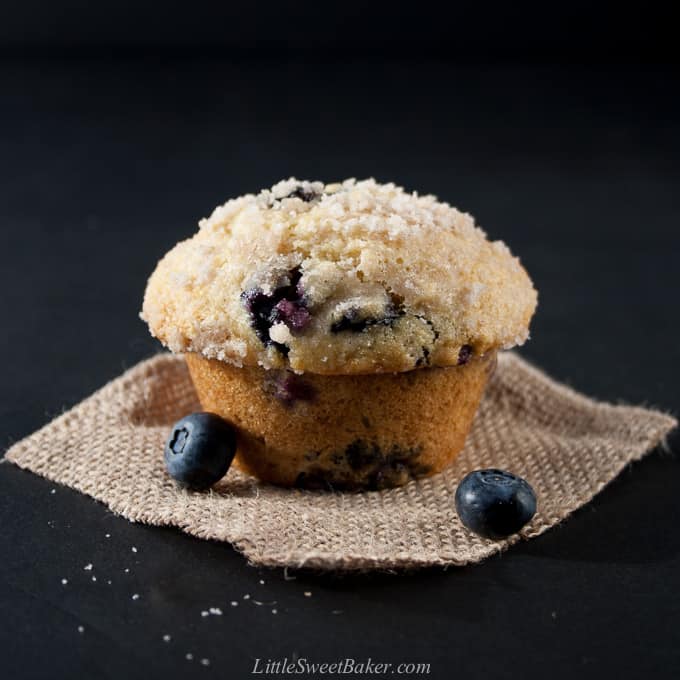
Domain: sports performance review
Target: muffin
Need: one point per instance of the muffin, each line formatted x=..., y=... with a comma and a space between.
x=347, y=330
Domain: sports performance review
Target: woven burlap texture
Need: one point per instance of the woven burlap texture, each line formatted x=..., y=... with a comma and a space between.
x=568, y=447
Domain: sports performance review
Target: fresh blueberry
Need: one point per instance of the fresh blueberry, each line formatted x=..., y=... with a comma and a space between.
x=200, y=449
x=495, y=503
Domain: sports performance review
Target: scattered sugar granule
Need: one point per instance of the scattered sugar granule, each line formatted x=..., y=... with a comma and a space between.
x=109, y=582
x=94, y=578
x=134, y=549
x=205, y=662
x=189, y=656
x=135, y=596
x=166, y=638
x=246, y=596
x=274, y=611
x=81, y=629
x=261, y=582
x=234, y=603
x=553, y=614
x=88, y=567
x=205, y=613
x=107, y=535
x=53, y=491
x=127, y=571
x=215, y=611
x=308, y=593
x=64, y=581
x=336, y=611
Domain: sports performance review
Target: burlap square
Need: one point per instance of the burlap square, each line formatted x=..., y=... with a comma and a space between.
x=567, y=446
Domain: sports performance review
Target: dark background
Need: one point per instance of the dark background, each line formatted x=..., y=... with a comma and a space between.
x=530, y=31
x=123, y=123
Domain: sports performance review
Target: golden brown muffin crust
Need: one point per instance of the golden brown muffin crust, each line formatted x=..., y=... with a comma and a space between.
x=346, y=278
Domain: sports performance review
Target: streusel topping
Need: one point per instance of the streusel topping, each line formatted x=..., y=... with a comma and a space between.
x=351, y=277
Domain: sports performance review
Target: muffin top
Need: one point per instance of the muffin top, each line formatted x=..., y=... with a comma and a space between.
x=351, y=277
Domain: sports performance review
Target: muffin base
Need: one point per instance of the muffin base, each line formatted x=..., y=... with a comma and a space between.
x=345, y=432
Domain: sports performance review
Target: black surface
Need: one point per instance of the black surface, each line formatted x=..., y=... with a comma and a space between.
x=608, y=30
x=105, y=165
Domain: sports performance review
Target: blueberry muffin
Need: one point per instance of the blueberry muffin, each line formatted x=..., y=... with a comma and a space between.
x=347, y=330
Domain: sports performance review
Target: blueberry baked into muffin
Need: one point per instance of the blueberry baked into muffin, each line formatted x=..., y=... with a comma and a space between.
x=347, y=330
